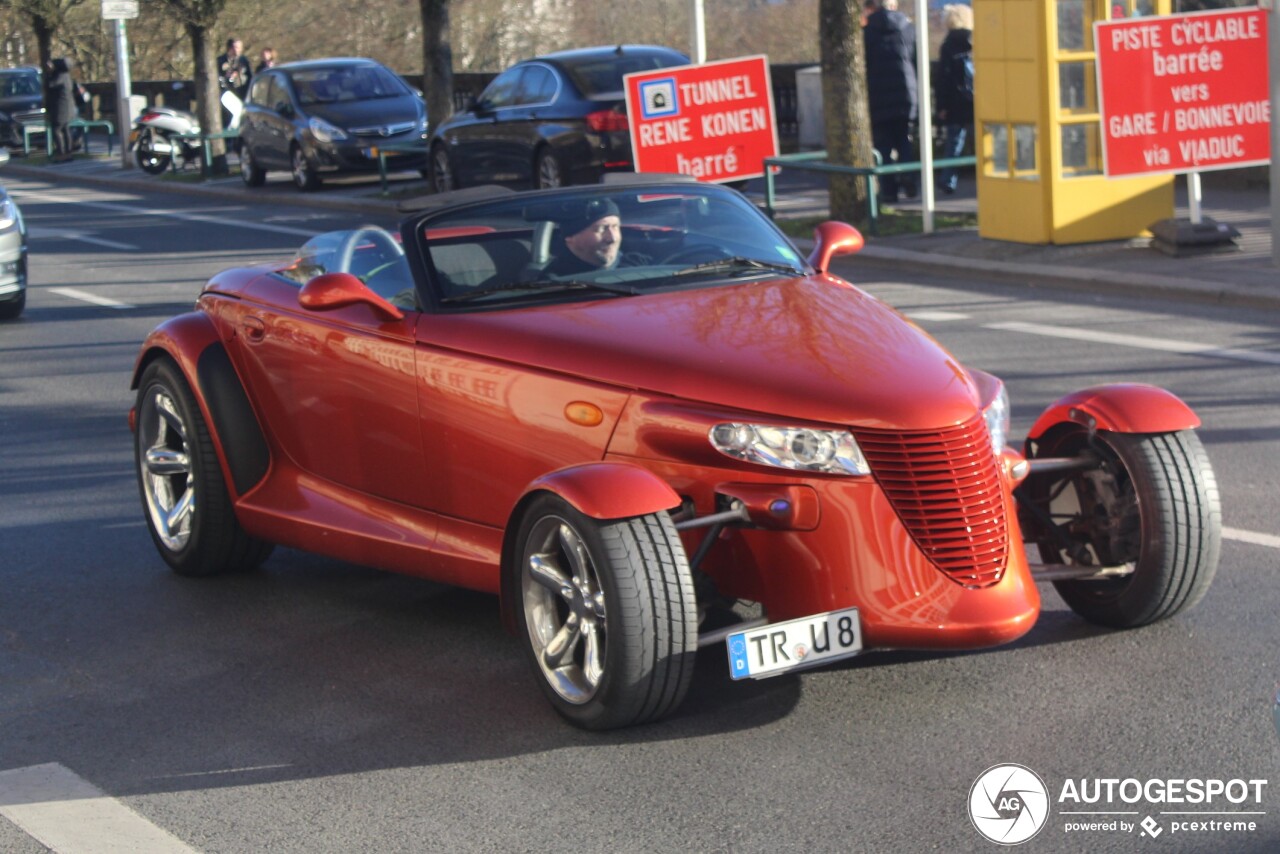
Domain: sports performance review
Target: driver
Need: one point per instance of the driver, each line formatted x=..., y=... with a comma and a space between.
x=592, y=237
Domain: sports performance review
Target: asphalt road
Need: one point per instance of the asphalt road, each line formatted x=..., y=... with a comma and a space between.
x=320, y=706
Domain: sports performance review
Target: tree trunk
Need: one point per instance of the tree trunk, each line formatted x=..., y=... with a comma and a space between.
x=208, y=105
x=437, y=60
x=44, y=48
x=844, y=98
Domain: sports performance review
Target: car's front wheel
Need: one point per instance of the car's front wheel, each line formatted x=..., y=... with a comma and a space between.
x=251, y=173
x=607, y=613
x=304, y=177
x=443, y=177
x=184, y=497
x=1149, y=502
x=548, y=172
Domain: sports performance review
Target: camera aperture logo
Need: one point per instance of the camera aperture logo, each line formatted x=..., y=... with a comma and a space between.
x=1008, y=804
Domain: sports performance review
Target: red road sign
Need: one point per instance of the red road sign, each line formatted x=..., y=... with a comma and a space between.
x=1184, y=93
x=712, y=121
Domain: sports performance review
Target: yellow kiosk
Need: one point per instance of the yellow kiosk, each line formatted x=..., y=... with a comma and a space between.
x=1039, y=130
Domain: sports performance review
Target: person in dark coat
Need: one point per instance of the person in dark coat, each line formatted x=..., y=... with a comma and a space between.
x=955, y=86
x=892, y=96
x=62, y=106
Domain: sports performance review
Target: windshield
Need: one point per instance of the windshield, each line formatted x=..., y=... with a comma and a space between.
x=346, y=83
x=19, y=85
x=600, y=243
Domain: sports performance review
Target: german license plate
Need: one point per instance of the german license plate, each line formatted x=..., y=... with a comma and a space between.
x=804, y=642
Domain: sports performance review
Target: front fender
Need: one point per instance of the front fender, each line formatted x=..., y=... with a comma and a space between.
x=192, y=341
x=608, y=490
x=1119, y=408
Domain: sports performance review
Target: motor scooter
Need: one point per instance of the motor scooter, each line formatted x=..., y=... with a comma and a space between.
x=160, y=136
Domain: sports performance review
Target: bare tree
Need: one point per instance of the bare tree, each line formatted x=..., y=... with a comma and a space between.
x=437, y=60
x=844, y=99
x=46, y=17
x=200, y=17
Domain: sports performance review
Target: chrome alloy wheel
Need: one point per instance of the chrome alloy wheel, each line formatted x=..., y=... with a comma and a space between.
x=168, y=477
x=565, y=609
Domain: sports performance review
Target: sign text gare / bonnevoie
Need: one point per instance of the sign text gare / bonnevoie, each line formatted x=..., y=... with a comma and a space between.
x=1184, y=93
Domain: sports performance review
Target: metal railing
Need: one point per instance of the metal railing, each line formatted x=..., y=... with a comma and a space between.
x=816, y=161
x=37, y=128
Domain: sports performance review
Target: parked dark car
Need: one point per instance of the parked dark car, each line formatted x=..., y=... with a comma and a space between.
x=548, y=121
x=21, y=102
x=13, y=254
x=329, y=115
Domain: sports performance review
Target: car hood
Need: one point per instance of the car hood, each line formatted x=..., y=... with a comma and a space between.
x=374, y=113
x=815, y=349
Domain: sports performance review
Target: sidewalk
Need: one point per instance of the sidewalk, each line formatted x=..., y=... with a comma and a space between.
x=1244, y=277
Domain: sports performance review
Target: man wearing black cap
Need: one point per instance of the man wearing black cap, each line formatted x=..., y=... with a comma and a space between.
x=592, y=235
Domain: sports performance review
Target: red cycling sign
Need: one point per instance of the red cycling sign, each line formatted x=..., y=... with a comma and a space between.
x=1184, y=93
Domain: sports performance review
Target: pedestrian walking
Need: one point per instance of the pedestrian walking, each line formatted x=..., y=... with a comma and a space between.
x=892, y=96
x=955, y=87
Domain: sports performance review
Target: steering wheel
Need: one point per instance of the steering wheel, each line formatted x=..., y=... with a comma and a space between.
x=696, y=253
x=380, y=237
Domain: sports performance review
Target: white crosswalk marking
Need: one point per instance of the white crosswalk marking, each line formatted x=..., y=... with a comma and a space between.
x=69, y=815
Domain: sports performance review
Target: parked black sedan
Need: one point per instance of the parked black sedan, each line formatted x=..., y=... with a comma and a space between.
x=329, y=115
x=553, y=120
x=21, y=102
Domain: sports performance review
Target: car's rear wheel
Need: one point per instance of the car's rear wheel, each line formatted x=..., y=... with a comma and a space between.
x=443, y=178
x=251, y=173
x=547, y=171
x=1151, y=503
x=607, y=613
x=304, y=177
x=184, y=497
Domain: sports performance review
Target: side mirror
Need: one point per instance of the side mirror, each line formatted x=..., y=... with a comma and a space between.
x=832, y=239
x=339, y=290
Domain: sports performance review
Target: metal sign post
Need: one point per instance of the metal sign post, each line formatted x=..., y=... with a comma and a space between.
x=119, y=11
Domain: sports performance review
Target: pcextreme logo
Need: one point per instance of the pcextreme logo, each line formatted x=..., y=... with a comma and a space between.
x=1009, y=804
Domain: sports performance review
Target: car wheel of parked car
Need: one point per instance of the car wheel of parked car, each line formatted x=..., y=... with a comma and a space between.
x=184, y=497
x=252, y=174
x=443, y=178
x=607, y=613
x=1152, y=503
x=304, y=177
x=11, y=309
x=547, y=172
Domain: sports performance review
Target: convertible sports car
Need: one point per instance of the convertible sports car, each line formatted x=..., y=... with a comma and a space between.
x=710, y=441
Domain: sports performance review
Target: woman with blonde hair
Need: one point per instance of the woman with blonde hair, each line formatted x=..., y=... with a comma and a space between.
x=955, y=86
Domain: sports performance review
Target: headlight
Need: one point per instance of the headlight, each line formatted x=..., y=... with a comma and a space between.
x=795, y=448
x=326, y=132
x=997, y=416
x=8, y=214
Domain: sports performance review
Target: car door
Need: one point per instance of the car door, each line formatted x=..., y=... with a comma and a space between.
x=474, y=138
x=522, y=126
x=335, y=389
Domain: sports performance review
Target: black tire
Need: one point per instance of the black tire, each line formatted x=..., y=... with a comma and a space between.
x=149, y=160
x=620, y=595
x=548, y=171
x=184, y=498
x=11, y=309
x=443, y=176
x=251, y=173
x=305, y=178
x=1153, y=503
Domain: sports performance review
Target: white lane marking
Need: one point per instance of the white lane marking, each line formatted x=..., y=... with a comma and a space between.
x=40, y=233
x=227, y=221
x=1269, y=540
x=66, y=813
x=939, y=316
x=1190, y=348
x=85, y=296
